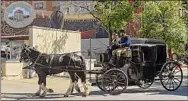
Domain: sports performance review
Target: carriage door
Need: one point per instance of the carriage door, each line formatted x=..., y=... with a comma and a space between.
x=149, y=61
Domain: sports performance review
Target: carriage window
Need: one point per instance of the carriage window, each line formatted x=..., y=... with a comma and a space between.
x=148, y=53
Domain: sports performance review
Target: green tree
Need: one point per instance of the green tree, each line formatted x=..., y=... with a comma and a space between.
x=161, y=20
x=112, y=14
x=185, y=18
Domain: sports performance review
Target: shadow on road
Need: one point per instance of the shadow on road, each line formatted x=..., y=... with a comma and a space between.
x=21, y=96
x=182, y=91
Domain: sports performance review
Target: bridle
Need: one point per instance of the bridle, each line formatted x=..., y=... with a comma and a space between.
x=30, y=59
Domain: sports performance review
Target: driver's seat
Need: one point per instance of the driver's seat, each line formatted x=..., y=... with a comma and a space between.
x=127, y=52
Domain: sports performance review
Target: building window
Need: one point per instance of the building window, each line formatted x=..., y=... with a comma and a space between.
x=3, y=4
x=39, y=5
x=76, y=10
x=56, y=5
x=11, y=49
x=15, y=54
x=67, y=10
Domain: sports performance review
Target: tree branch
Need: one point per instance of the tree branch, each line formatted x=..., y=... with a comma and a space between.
x=92, y=15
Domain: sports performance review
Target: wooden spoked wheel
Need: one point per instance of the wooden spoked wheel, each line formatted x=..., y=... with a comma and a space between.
x=114, y=81
x=171, y=76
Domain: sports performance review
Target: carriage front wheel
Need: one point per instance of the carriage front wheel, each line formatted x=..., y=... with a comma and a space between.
x=99, y=81
x=171, y=75
x=114, y=81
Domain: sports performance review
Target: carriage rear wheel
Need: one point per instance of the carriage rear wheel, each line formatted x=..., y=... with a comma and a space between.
x=114, y=81
x=171, y=75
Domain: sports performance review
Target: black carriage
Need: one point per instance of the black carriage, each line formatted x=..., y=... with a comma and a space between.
x=145, y=61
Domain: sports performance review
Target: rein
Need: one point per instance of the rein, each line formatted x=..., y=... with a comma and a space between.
x=31, y=59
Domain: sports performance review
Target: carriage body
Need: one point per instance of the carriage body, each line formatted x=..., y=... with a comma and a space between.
x=148, y=56
x=148, y=60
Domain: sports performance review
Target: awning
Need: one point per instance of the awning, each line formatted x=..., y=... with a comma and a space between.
x=15, y=37
x=88, y=34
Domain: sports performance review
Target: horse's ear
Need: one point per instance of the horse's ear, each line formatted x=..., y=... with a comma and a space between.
x=27, y=48
x=24, y=45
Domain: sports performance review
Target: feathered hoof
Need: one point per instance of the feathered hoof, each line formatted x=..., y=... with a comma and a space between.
x=84, y=95
x=65, y=95
x=50, y=90
x=36, y=94
x=42, y=96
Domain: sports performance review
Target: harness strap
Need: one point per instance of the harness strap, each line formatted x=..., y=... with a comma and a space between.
x=50, y=64
x=36, y=60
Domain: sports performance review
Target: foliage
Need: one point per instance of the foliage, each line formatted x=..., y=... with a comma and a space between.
x=137, y=4
x=161, y=20
x=185, y=6
x=113, y=12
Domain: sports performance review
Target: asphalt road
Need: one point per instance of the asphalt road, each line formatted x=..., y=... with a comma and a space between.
x=14, y=90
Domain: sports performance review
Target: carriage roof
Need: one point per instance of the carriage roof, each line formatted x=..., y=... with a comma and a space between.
x=146, y=42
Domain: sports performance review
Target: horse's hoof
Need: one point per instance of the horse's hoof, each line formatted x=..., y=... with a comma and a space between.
x=37, y=94
x=50, y=90
x=42, y=96
x=84, y=95
x=66, y=95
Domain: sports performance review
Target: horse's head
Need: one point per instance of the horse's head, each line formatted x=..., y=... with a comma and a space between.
x=24, y=55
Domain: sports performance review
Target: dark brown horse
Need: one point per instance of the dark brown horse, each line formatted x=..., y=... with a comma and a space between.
x=48, y=64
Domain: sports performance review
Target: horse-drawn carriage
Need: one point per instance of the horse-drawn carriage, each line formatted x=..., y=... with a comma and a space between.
x=144, y=60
